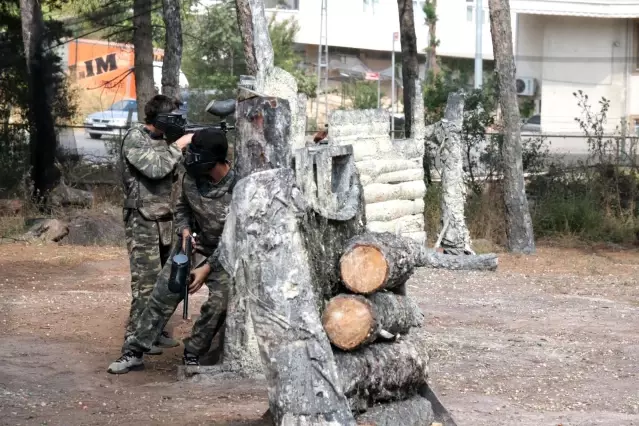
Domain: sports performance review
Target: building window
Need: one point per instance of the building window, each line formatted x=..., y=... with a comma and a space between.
x=469, y=13
x=282, y=4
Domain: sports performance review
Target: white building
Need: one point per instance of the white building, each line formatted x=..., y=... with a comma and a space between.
x=570, y=45
x=561, y=46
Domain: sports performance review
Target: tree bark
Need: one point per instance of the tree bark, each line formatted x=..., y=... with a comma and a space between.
x=478, y=262
x=262, y=144
x=410, y=64
x=352, y=321
x=42, y=133
x=271, y=264
x=330, y=182
x=256, y=40
x=415, y=411
x=172, y=48
x=375, y=261
x=382, y=372
x=263, y=129
x=433, y=66
x=519, y=228
x=455, y=237
x=143, y=60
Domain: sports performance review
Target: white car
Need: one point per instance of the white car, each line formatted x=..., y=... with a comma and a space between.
x=114, y=121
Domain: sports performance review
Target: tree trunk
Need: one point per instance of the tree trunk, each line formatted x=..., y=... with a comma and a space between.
x=263, y=129
x=352, y=321
x=262, y=144
x=454, y=237
x=256, y=39
x=382, y=372
x=172, y=48
x=433, y=66
x=377, y=261
x=415, y=411
x=519, y=228
x=410, y=64
x=143, y=60
x=271, y=264
x=42, y=133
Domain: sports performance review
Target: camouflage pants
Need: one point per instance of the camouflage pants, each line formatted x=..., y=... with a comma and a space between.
x=146, y=257
x=163, y=303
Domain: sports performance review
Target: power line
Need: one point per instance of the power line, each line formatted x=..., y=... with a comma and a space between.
x=103, y=28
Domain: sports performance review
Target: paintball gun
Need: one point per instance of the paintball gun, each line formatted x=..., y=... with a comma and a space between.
x=181, y=273
x=174, y=124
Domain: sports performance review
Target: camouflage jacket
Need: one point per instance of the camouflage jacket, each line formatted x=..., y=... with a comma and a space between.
x=148, y=169
x=202, y=207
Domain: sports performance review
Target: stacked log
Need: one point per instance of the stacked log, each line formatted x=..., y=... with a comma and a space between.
x=382, y=364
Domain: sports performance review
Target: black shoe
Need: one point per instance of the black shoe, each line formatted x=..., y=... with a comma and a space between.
x=190, y=359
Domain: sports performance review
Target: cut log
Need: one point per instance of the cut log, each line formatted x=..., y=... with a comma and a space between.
x=372, y=262
x=415, y=411
x=271, y=267
x=475, y=262
x=352, y=321
x=382, y=372
x=376, y=261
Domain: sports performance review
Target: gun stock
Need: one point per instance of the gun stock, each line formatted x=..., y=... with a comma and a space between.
x=185, y=303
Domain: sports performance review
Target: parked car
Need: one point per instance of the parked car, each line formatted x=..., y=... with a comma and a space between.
x=114, y=121
x=532, y=125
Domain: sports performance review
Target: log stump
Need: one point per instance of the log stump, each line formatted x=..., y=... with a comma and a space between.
x=271, y=267
x=352, y=321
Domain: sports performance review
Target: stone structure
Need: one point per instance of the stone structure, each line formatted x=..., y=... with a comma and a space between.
x=391, y=171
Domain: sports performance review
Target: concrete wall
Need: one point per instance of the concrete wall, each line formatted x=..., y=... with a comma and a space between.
x=391, y=171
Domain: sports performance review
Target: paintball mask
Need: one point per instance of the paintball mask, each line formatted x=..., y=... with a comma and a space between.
x=172, y=124
x=208, y=147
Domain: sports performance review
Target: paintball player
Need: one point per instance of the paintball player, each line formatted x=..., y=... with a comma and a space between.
x=149, y=166
x=203, y=203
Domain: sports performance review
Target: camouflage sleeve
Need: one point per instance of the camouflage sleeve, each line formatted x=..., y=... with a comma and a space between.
x=151, y=162
x=182, y=214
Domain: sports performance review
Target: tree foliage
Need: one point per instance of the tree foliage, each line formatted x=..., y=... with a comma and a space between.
x=213, y=55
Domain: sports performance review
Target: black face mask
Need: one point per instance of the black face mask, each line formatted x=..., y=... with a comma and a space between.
x=198, y=162
x=172, y=124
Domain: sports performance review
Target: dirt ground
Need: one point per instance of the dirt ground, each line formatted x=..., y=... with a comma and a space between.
x=550, y=339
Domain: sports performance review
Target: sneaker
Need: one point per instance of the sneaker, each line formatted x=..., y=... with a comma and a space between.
x=155, y=350
x=190, y=359
x=165, y=341
x=128, y=361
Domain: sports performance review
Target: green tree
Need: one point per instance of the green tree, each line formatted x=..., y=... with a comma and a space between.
x=213, y=54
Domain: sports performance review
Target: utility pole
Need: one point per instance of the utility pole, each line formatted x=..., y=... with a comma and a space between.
x=322, y=62
x=479, y=20
x=395, y=37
